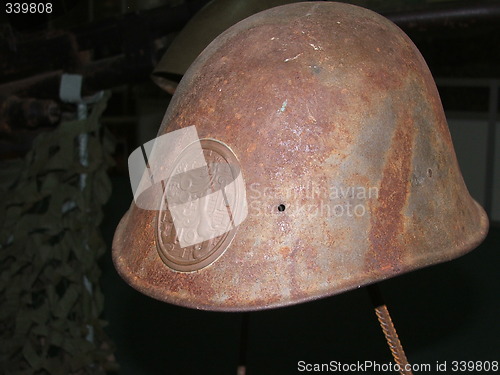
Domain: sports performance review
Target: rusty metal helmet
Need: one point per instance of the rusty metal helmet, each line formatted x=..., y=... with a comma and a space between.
x=342, y=166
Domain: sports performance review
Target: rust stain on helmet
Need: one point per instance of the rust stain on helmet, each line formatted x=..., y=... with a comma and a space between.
x=387, y=219
x=349, y=169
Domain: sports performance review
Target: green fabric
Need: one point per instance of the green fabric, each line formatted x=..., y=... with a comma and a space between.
x=49, y=247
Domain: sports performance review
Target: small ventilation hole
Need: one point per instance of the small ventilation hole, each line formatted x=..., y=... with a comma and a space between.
x=281, y=208
x=429, y=172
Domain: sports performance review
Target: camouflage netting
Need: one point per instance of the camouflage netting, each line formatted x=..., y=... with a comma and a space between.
x=50, y=299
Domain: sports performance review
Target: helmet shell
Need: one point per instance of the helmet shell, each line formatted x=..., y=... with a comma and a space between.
x=349, y=167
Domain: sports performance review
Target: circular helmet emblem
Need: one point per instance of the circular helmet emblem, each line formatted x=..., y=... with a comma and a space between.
x=201, y=206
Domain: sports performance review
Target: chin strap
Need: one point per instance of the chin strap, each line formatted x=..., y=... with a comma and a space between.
x=383, y=316
x=389, y=330
x=242, y=362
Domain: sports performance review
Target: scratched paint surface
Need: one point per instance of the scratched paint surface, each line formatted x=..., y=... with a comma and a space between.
x=328, y=108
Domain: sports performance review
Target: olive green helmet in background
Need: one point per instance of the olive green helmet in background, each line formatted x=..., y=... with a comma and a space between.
x=205, y=26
